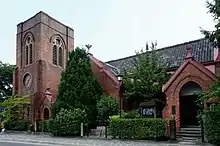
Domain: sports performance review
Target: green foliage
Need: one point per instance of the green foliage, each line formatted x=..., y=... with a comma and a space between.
x=106, y=106
x=67, y=122
x=114, y=117
x=20, y=125
x=13, y=107
x=78, y=87
x=211, y=118
x=212, y=124
x=131, y=114
x=145, y=80
x=6, y=78
x=142, y=128
x=44, y=125
x=213, y=7
x=213, y=91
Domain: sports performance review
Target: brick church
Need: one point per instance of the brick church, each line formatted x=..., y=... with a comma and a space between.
x=42, y=48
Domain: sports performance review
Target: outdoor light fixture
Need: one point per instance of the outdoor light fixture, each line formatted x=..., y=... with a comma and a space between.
x=119, y=77
x=120, y=92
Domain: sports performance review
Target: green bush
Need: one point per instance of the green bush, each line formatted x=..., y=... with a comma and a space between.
x=141, y=128
x=21, y=125
x=131, y=114
x=114, y=117
x=212, y=125
x=44, y=126
x=67, y=122
x=106, y=106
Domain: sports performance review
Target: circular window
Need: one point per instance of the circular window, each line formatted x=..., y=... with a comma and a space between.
x=27, y=80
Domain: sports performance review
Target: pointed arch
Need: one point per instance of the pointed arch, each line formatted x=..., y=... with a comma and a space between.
x=58, y=46
x=28, y=48
x=54, y=36
x=28, y=34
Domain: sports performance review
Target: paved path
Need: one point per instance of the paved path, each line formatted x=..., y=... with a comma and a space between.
x=47, y=140
x=18, y=144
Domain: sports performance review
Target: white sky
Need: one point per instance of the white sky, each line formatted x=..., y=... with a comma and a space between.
x=115, y=28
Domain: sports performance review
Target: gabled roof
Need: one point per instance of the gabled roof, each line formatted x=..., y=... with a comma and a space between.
x=173, y=56
x=196, y=64
x=105, y=69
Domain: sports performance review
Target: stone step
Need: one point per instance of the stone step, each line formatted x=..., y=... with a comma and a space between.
x=191, y=126
x=189, y=132
x=189, y=139
x=190, y=129
x=188, y=135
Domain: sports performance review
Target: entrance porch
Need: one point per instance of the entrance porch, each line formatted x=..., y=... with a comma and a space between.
x=182, y=91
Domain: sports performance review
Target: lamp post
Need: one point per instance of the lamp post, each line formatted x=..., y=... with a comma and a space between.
x=120, y=78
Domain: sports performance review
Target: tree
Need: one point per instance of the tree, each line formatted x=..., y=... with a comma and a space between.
x=106, y=106
x=13, y=107
x=78, y=87
x=145, y=80
x=214, y=9
x=6, y=79
x=67, y=122
x=212, y=92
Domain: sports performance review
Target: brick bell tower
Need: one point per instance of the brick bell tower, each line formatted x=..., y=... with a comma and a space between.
x=42, y=50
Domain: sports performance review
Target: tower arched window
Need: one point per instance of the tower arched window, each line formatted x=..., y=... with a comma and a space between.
x=58, y=52
x=28, y=50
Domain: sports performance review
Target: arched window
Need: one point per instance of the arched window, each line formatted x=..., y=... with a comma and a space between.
x=60, y=56
x=28, y=50
x=57, y=52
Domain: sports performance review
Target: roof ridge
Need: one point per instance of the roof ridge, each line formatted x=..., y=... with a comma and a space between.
x=163, y=48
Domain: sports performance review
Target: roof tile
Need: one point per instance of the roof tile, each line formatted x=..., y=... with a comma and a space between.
x=172, y=56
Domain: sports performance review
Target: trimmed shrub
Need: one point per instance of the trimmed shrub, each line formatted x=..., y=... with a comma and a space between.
x=67, y=122
x=141, y=128
x=44, y=126
x=20, y=125
x=212, y=125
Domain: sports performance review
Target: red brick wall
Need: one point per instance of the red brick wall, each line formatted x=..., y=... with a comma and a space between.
x=106, y=78
x=44, y=74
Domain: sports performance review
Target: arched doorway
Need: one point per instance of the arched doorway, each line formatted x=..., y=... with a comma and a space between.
x=188, y=107
x=46, y=114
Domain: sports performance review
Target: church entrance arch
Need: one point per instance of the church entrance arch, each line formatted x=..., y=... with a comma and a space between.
x=188, y=96
x=46, y=114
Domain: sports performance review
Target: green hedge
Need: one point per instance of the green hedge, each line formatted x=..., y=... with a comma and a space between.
x=21, y=125
x=141, y=128
x=44, y=126
x=212, y=125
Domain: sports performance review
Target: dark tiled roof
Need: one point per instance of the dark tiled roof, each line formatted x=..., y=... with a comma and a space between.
x=173, y=56
x=113, y=69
